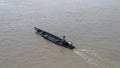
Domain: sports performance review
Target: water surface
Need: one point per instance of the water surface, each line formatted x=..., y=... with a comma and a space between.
x=92, y=25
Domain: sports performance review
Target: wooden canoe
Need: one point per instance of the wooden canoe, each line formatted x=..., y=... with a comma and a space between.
x=53, y=38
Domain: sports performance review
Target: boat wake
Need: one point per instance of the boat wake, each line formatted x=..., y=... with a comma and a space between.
x=91, y=58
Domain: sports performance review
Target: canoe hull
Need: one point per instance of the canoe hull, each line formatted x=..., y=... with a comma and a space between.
x=53, y=38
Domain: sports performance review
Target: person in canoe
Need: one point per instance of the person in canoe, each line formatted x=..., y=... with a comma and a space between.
x=63, y=41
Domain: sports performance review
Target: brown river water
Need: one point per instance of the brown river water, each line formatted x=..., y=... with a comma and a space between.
x=93, y=26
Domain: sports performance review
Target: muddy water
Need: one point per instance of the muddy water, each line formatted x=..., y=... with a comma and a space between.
x=92, y=26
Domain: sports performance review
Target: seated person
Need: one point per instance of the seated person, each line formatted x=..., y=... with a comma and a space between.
x=63, y=41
